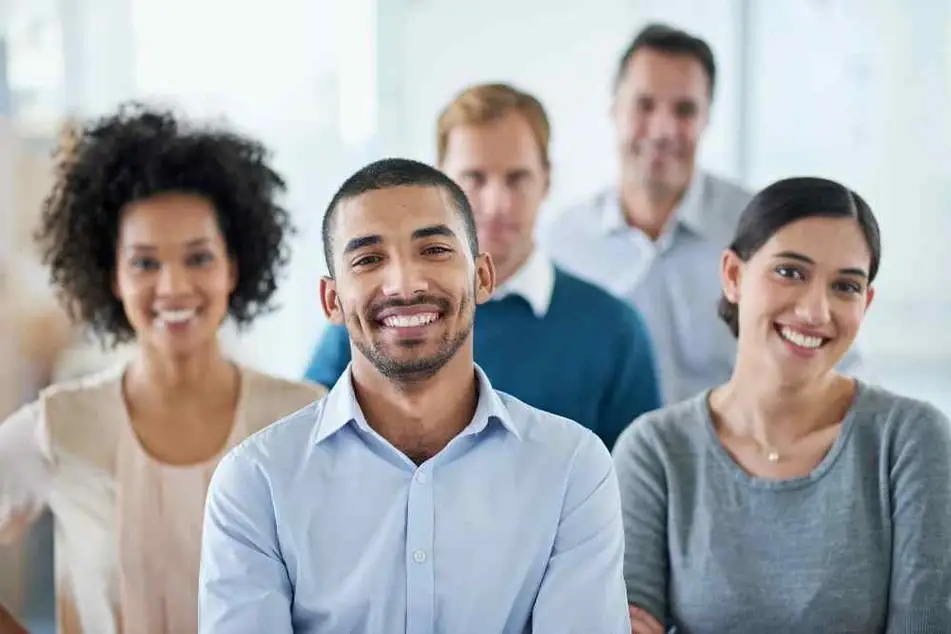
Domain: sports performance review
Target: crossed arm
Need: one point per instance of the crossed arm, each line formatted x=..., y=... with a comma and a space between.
x=583, y=587
x=644, y=508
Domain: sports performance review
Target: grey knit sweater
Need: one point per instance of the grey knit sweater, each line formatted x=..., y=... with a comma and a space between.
x=861, y=544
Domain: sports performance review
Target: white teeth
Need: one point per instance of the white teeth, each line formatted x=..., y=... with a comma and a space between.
x=176, y=316
x=801, y=340
x=409, y=321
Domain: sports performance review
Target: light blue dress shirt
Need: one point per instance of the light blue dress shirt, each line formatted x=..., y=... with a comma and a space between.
x=674, y=281
x=318, y=525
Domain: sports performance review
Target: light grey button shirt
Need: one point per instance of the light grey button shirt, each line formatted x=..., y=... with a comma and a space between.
x=674, y=281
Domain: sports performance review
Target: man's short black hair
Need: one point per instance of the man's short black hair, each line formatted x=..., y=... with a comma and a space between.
x=396, y=172
x=667, y=39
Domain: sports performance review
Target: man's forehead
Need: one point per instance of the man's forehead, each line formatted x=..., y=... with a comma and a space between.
x=395, y=211
x=655, y=71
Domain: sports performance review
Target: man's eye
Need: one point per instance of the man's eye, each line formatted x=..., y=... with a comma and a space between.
x=366, y=260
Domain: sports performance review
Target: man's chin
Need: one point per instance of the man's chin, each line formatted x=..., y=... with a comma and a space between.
x=410, y=344
x=410, y=371
x=404, y=361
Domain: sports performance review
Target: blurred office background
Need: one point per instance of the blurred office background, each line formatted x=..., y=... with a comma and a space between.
x=851, y=89
x=855, y=90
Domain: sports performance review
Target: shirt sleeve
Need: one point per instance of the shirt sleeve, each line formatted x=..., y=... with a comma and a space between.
x=643, y=487
x=331, y=356
x=25, y=471
x=920, y=596
x=583, y=587
x=635, y=388
x=244, y=587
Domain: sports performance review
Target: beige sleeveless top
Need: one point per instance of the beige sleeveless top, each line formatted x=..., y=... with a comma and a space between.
x=127, y=528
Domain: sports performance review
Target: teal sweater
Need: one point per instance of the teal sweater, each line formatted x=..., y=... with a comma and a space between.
x=589, y=358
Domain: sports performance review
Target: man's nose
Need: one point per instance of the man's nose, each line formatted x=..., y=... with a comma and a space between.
x=404, y=277
x=662, y=126
x=496, y=200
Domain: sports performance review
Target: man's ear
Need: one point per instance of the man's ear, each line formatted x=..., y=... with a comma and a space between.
x=485, y=278
x=330, y=301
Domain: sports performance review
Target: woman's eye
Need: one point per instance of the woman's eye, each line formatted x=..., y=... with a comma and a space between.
x=199, y=259
x=790, y=272
x=145, y=264
x=848, y=287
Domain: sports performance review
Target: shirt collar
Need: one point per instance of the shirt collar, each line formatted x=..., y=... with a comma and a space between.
x=534, y=281
x=340, y=408
x=687, y=213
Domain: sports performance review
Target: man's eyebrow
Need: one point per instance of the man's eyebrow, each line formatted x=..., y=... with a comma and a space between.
x=361, y=242
x=433, y=230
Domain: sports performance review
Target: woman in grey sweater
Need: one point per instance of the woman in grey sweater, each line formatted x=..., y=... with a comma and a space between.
x=791, y=499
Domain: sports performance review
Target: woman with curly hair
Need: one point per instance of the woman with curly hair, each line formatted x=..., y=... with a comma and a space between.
x=156, y=232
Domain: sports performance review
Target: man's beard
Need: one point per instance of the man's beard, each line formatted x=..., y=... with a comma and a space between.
x=421, y=368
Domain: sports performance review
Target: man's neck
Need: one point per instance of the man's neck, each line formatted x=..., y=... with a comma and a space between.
x=506, y=268
x=648, y=208
x=418, y=417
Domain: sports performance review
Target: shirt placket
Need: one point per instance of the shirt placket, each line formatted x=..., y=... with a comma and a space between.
x=420, y=576
x=643, y=252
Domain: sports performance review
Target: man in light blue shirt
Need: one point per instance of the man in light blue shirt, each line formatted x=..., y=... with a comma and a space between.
x=549, y=339
x=413, y=497
x=655, y=238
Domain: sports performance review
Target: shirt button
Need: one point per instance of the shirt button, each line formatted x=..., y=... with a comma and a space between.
x=421, y=477
x=419, y=556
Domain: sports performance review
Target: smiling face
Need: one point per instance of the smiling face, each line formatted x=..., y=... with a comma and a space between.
x=173, y=273
x=801, y=297
x=661, y=108
x=405, y=284
x=500, y=167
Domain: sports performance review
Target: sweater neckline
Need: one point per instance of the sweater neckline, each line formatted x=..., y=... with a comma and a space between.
x=702, y=403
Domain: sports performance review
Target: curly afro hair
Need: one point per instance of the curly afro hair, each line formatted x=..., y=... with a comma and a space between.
x=137, y=153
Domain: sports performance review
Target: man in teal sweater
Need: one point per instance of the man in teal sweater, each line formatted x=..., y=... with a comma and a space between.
x=548, y=338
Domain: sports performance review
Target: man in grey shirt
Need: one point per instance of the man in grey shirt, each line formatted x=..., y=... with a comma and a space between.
x=655, y=238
